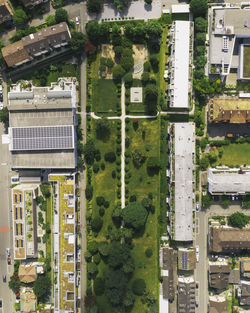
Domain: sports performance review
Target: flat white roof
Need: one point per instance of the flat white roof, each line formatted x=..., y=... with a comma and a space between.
x=184, y=142
x=228, y=180
x=180, y=8
x=181, y=64
x=164, y=306
x=136, y=94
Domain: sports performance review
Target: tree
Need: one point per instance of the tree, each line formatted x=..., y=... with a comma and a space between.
x=102, y=129
x=110, y=157
x=116, y=36
x=138, y=286
x=129, y=266
x=138, y=158
x=93, y=247
x=61, y=15
x=198, y=7
x=148, y=1
x=129, y=299
x=45, y=190
x=42, y=287
x=89, y=151
x=135, y=215
x=77, y=42
x=103, y=248
x=14, y=283
x=96, y=224
x=115, y=286
x=100, y=200
x=93, y=31
x=153, y=29
x=238, y=219
x=118, y=72
x=151, y=95
x=145, y=78
x=4, y=115
x=118, y=254
x=127, y=62
x=99, y=286
x=118, y=51
x=50, y=20
x=109, y=63
x=154, y=62
x=200, y=25
x=128, y=79
x=200, y=39
x=94, y=6
x=147, y=203
x=104, y=30
x=206, y=201
x=204, y=162
x=148, y=252
x=19, y=17
x=89, y=192
x=117, y=214
x=226, y=202
x=92, y=269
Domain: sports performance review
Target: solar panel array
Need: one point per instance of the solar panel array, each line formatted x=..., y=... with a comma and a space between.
x=42, y=138
x=184, y=260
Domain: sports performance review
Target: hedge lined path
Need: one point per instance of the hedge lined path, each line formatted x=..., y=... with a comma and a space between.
x=123, y=134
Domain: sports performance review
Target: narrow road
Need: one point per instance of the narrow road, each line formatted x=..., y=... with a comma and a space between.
x=123, y=134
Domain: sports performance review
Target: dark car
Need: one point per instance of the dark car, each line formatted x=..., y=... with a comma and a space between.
x=9, y=261
x=4, y=278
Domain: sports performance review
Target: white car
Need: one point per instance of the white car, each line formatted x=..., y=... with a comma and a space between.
x=77, y=21
x=1, y=105
x=197, y=254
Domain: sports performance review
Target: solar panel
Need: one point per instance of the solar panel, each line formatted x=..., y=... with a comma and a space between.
x=42, y=138
x=184, y=260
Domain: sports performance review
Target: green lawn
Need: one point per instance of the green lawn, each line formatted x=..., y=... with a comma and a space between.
x=141, y=185
x=105, y=96
x=236, y=154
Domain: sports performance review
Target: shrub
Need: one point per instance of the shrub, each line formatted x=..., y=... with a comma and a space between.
x=138, y=286
x=89, y=192
x=87, y=256
x=100, y=200
x=110, y=157
x=148, y=252
x=103, y=248
x=101, y=212
x=45, y=190
x=135, y=215
x=96, y=224
x=238, y=219
x=92, y=269
x=106, y=204
x=96, y=167
x=147, y=66
x=97, y=258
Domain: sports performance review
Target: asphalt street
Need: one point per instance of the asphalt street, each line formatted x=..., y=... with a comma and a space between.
x=6, y=295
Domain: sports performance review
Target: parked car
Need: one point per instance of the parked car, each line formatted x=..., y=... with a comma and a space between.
x=4, y=278
x=197, y=206
x=8, y=251
x=9, y=261
x=77, y=21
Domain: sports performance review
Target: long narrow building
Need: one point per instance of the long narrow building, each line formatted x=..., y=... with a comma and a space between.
x=180, y=64
x=182, y=180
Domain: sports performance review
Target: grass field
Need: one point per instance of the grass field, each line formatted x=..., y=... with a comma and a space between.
x=246, y=62
x=236, y=154
x=141, y=185
x=105, y=96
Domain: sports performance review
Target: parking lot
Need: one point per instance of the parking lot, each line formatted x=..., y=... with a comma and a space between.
x=219, y=131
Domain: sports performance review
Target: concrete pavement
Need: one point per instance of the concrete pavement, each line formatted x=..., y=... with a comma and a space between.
x=123, y=135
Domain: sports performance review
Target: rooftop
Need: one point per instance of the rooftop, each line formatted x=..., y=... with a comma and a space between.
x=224, y=180
x=186, y=259
x=181, y=64
x=228, y=109
x=28, y=300
x=136, y=94
x=224, y=238
x=217, y=304
x=184, y=148
x=27, y=273
x=186, y=295
x=219, y=275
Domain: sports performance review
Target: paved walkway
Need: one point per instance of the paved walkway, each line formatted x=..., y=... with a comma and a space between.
x=123, y=131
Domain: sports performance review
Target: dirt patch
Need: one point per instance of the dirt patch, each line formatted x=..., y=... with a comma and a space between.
x=140, y=55
x=108, y=52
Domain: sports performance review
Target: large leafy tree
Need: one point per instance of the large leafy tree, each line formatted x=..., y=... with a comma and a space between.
x=200, y=24
x=89, y=151
x=61, y=15
x=77, y=42
x=93, y=31
x=115, y=286
x=42, y=287
x=153, y=29
x=238, y=219
x=118, y=254
x=20, y=17
x=94, y=6
x=198, y=7
x=135, y=215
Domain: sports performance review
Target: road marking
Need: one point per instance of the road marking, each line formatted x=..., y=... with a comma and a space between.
x=4, y=230
x=4, y=163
